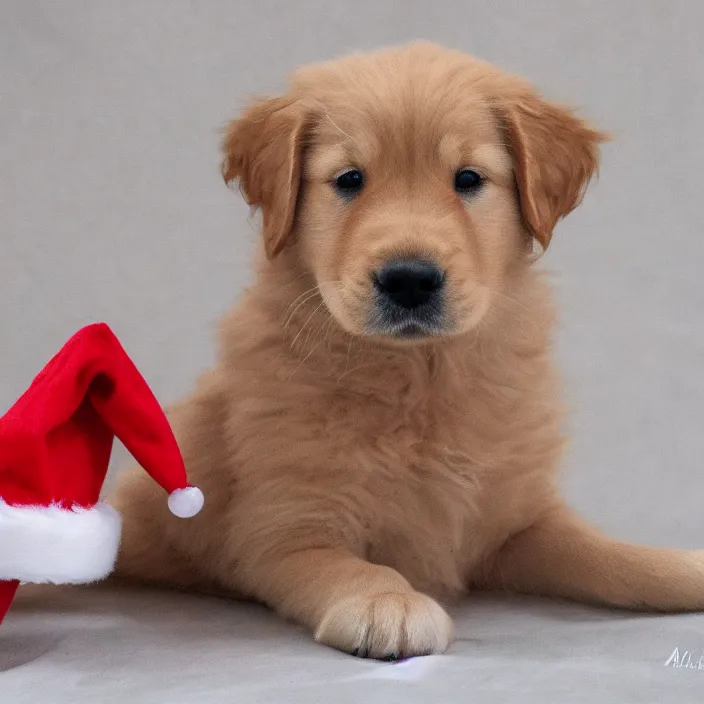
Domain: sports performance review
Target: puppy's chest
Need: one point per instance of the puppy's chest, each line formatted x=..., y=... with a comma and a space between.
x=424, y=473
x=421, y=458
x=416, y=436
x=426, y=492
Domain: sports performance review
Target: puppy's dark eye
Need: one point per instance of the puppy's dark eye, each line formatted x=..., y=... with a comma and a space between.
x=467, y=181
x=349, y=182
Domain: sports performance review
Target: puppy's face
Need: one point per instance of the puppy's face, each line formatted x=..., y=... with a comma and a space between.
x=411, y=182
x=408, y=216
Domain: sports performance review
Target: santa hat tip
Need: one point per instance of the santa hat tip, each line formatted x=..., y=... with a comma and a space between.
x=186, y=503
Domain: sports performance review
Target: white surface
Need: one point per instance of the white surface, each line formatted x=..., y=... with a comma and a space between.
x=79, y=646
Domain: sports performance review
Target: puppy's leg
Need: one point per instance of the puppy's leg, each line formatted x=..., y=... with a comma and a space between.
x=561, y=555
x=350, y=604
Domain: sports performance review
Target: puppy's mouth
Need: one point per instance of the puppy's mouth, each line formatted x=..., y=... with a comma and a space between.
x=390, y=320
x=412, y=331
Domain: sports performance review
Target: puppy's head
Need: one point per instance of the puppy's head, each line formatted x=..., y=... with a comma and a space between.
x=411, y=183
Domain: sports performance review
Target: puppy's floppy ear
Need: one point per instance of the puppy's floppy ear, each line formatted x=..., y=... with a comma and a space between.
x=264, y=150
x=555, y=156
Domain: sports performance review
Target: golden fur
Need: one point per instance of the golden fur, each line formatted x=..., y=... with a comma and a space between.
x=353, y=478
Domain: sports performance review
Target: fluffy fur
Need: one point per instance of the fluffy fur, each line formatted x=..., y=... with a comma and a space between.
x=353, y=479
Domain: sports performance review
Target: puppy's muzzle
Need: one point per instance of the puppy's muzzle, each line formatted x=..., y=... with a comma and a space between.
x=409, y=298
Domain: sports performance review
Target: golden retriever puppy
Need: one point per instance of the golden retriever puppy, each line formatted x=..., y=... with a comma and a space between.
x=382, y=429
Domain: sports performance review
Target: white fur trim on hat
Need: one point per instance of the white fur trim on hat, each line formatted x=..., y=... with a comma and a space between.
x=52, y=544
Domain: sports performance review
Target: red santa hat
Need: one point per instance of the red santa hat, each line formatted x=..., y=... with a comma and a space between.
x=55, y=446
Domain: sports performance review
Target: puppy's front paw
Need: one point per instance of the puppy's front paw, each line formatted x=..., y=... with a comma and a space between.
x=387, y=626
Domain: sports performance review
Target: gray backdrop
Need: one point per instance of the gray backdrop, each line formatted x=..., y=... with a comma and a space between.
x=111, y=205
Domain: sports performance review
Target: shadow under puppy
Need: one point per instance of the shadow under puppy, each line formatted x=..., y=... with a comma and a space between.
x=383, y=425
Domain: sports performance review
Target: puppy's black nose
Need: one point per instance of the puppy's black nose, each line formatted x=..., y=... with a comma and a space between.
x=409, y=282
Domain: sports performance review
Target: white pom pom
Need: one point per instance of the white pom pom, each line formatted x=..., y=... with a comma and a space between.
x=186, y=503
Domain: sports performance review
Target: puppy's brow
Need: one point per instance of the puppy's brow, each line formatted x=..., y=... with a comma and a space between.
x=327, y=160
x=493, y=156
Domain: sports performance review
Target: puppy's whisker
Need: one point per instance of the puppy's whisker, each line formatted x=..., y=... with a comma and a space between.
x=310, y=352
x=309, y=296
x=295, y=339
x=347, y=358
x=331, y=323
x=515, y=301
x=298, y=298
x=312, y=326
x=336, y=126
x=351, y=370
